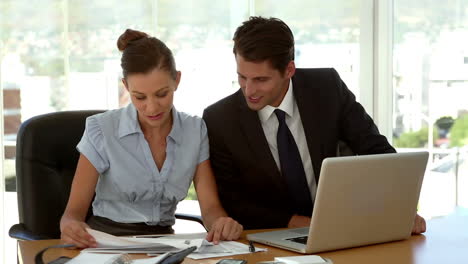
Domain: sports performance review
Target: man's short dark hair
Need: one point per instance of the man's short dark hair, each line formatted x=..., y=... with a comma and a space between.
x=265, y=39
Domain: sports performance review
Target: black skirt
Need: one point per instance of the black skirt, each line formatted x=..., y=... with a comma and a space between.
x=126, y=229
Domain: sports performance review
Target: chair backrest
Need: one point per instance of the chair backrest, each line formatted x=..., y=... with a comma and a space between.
x=46, y=159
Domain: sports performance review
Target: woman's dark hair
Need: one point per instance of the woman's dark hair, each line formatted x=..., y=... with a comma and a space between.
x=265, y=39
x=142, y=54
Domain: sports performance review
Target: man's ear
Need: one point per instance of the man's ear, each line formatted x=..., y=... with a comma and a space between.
x=290, y=69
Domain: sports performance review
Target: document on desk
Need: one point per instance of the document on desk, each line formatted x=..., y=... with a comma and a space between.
x=207, y=249
x=98, y=258
x=224, y=248
x=154, y=245
x=112, y=244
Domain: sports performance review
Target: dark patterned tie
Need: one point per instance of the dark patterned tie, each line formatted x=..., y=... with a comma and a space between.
x=292, y=168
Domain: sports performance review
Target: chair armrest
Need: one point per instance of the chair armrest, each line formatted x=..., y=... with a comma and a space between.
x=190, y=217
x=20, y=232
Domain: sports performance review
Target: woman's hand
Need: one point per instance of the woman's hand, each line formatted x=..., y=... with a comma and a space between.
x=74, y=232
x=72, y=225
x=299, y=221
x=215, y=218
x=419, y=225
x=224, y=228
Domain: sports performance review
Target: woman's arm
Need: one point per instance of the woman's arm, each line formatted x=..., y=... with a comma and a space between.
x=72, y=225
x=220, y=226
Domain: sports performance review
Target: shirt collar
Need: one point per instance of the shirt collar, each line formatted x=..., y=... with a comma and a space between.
x=175, y=133
x=129, y=123
x=287, y=105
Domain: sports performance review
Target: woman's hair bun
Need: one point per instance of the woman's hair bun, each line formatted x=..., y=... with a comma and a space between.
x=128, y=36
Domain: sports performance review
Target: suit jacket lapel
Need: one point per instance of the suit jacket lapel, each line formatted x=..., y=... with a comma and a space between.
x=253, y=131
x=309, y=109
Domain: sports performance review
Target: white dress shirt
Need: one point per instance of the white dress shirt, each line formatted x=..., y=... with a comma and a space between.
x=293, y=120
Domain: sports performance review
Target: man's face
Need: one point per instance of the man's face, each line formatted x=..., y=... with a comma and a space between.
x=262, y=84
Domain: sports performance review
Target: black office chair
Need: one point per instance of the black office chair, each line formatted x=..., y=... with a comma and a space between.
x=46, y=159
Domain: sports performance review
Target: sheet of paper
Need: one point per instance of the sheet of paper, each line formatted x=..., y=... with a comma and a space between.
x=113, y=244
x=176, y=236
x=205, y=249
x=177, y=243
x=104, y=258
x=153, y=245
x=154, y=260
x=224, y=248
x=107, y=240
x=308, y=259
x=86, y=257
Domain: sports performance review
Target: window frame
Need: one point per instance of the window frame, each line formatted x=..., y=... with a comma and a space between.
x=2, y=175
x=376, y=88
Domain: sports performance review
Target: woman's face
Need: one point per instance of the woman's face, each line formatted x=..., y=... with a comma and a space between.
x=152, y=95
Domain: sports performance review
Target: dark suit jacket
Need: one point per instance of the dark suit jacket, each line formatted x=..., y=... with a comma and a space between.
x=250, y=185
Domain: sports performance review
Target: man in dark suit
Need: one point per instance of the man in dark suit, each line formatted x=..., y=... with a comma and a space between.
x=268, y=140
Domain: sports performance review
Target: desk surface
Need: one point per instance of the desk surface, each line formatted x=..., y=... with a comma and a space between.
x=446, y=241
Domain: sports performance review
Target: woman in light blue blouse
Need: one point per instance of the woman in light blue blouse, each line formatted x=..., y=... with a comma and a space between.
x=140, y=160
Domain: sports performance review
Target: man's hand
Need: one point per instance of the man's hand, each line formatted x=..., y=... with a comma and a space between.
x=419, y=225
x=224, y=228
x=299, y=221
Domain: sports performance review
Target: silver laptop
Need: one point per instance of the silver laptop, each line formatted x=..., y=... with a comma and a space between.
x=360, y=200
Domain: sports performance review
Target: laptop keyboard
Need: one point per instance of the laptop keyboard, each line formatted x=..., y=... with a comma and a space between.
x=300, y=240
x=300, y=231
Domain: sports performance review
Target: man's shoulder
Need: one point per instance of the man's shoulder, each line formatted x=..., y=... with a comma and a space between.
x=316, y=80
x=316, y=73
x=228, y=104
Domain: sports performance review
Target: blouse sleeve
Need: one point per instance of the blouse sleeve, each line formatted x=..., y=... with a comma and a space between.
x=92, y=145
x=204, y=152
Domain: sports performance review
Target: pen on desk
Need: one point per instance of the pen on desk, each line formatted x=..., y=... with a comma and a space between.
x=251, y=246
x=149, y=236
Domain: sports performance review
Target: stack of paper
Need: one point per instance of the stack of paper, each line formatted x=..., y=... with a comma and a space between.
x=224, y=248
x=150, y=245
x=308, y=259
x=98, y=258
x=111, y=244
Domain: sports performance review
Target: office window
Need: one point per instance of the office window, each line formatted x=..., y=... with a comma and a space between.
x=326, y=36
x=30, y=58
x=430, y=85
x=64, y=57
x=199, y=34
x=92, y=57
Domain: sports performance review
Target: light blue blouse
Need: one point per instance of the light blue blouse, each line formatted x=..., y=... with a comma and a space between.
x=130, y=188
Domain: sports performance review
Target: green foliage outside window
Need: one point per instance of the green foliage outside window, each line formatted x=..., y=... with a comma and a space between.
x=459, y=132
x=416, y=139
x=192, y=194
